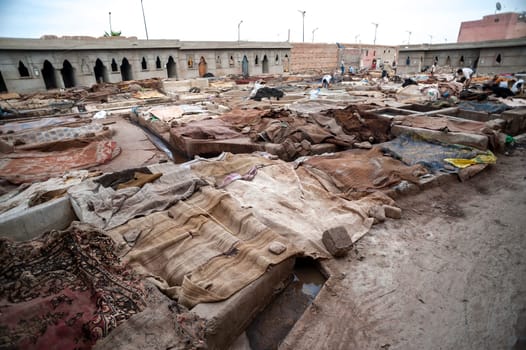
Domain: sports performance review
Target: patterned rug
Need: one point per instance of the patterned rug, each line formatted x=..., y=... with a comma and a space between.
x=64, y=290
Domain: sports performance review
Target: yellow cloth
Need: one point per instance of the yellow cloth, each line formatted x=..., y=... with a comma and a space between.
x=461, y=163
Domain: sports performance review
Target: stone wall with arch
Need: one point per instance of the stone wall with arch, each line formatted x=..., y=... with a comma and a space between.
x=91, y=61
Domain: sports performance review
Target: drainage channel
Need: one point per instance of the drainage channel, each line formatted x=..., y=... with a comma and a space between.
x=273, y=324
x=161, y=144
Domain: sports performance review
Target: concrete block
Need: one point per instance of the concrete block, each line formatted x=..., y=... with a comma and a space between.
x=337, y=241
x=201, y=83
x=226, y=320
x=515, y=121
x=392, y=212
x=461, y=138
x=377, y=212
x=175, y=86
x=56, y=214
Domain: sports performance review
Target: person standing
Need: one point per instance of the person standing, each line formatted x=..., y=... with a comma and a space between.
x=465, y=75
x=433, y=69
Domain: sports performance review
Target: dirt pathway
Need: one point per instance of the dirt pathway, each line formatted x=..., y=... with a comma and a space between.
x=450, y=274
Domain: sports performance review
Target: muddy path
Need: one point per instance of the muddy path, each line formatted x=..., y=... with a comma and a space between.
x=451, y=274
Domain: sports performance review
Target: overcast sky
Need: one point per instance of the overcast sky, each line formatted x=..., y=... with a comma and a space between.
x=269, y=20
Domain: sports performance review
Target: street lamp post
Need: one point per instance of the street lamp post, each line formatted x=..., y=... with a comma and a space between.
x=375, y=28
x=430, y=39
x=144, y=18
x=303, y=16
x=239, y=30
x=109, y=13
x=409, y=36
x=315, y=29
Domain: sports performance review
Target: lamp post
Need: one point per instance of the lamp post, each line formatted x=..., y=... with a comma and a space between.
x=409, y=36
x=430, y=39
x=303, y=16
x=375, y=28
x=144, y=18
x=315, y=29
x=239, y=30
x=109, y=13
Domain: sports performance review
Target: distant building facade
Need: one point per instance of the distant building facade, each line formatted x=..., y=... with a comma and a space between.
x=500, y=26
x=488, y=57
x=28, y=65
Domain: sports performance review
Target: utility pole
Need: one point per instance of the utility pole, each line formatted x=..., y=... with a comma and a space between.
x=375, y=28
x=409, y=37
x=238, y=30
x=144, y=18
x=303, y=16
x=315, y=29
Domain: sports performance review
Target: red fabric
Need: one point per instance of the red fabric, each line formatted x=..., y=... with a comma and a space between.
x=64, y=290
x=29, y=166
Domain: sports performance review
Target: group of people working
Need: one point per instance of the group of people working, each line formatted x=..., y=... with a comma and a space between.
x=500, y=86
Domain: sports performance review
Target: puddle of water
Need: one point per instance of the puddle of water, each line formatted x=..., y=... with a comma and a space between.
x=273, y=324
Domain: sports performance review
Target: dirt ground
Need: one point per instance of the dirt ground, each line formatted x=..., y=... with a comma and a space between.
x=450, y=274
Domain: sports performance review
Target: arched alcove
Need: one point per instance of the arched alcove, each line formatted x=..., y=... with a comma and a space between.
x=265, y=64
x=68, y=74
x=171, y=68
x=101, y=73
x=48, y=73
x=3, y=87
x=244, y=66
x=126, y=70
x=22, y=69
x=203, y=67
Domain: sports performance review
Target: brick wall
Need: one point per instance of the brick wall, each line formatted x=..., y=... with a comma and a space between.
x=326, y=58
x=307, y=57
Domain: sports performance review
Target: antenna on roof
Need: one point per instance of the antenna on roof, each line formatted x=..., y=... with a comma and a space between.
x=498, y=7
